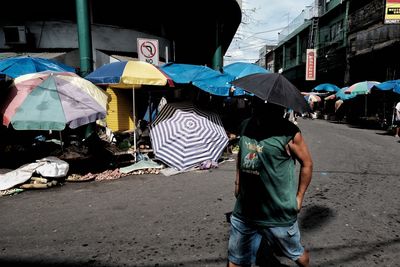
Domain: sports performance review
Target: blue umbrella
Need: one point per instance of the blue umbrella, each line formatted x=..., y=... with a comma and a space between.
x=241, y=69
x=389, y=85
x=186, y=73
x=17, y=66
x=342, y=95
x=205, y=78
x=326, y=87
x=216, y=85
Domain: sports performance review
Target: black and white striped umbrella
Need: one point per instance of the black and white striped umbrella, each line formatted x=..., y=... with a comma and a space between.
x=184, y=136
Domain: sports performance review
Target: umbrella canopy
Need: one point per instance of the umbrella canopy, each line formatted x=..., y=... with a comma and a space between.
x=361, y=88
x=183, y=136
x=186, y=73
x=128, y=74
x=340, y=95
x=274, y=88
x=17, y=66
x=50, y=101
x=205, y=78
x=328, y=87
x=389, y=85
x=215, y=85
x=241, y=69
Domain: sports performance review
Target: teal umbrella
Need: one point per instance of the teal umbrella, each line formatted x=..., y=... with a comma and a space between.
x=362, y=88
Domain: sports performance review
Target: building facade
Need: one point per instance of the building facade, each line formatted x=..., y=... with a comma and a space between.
x=351, y=39
x=373, y=46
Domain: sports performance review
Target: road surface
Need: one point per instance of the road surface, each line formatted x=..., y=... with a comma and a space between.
x=350, y=216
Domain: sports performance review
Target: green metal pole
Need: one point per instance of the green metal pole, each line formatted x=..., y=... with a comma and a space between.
x=84, y=37
x=298, y=51
x=217, y=57
x=284, y=57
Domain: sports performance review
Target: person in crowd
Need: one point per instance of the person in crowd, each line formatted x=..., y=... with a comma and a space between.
x=268, y=194
x=396, y=121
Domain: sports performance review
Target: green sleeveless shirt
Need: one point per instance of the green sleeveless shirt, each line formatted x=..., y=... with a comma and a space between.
x=268, y=187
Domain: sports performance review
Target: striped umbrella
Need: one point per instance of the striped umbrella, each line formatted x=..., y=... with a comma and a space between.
x=184, y=136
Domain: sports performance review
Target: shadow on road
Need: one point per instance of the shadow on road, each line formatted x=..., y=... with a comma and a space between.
x=357, y=173
x=353, y=251
x=314, y=217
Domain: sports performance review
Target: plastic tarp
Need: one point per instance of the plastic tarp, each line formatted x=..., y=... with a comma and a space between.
x=47, y=167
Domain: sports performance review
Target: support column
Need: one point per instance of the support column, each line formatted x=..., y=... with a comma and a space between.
x=84, y=37
x=217, y=63
x=283, y=57
x=298, y=50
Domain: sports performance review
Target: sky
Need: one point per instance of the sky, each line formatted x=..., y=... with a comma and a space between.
x=261, y=22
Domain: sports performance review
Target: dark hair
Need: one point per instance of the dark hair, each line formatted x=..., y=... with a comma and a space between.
x=263, y=109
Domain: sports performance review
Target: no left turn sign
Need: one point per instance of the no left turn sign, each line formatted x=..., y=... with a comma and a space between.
x=148, y=50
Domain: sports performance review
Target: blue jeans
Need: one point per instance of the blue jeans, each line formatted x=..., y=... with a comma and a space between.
x=245, y=239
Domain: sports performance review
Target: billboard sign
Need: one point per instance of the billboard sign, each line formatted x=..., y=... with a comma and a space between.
x=311, y=61
x=392, y=12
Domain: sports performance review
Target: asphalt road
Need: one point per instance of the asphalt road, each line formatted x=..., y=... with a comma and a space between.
x=350, y=215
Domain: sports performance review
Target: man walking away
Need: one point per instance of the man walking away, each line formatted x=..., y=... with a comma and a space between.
x=268, y=195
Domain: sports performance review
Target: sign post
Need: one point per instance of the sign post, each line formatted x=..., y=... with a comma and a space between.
x=148, y=50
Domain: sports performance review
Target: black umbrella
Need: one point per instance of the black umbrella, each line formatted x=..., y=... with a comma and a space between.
x=273, y=88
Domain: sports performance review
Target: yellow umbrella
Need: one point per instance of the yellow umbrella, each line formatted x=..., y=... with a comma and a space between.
x=129, y=75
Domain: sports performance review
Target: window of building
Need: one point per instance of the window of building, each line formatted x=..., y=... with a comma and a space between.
x=335, y=31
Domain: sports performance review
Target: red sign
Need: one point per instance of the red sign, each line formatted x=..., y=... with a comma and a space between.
x=311, y=62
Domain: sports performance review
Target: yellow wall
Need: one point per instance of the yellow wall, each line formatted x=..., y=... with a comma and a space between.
x=119, y=111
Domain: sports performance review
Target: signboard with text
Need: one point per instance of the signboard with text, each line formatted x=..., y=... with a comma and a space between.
x=148, y=50
x=311, y=61
x=392, y=12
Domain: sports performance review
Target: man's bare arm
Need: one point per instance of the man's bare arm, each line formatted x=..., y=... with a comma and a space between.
x=300, y=151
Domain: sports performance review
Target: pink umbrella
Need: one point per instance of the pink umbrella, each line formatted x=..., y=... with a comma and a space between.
x=52, y=101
